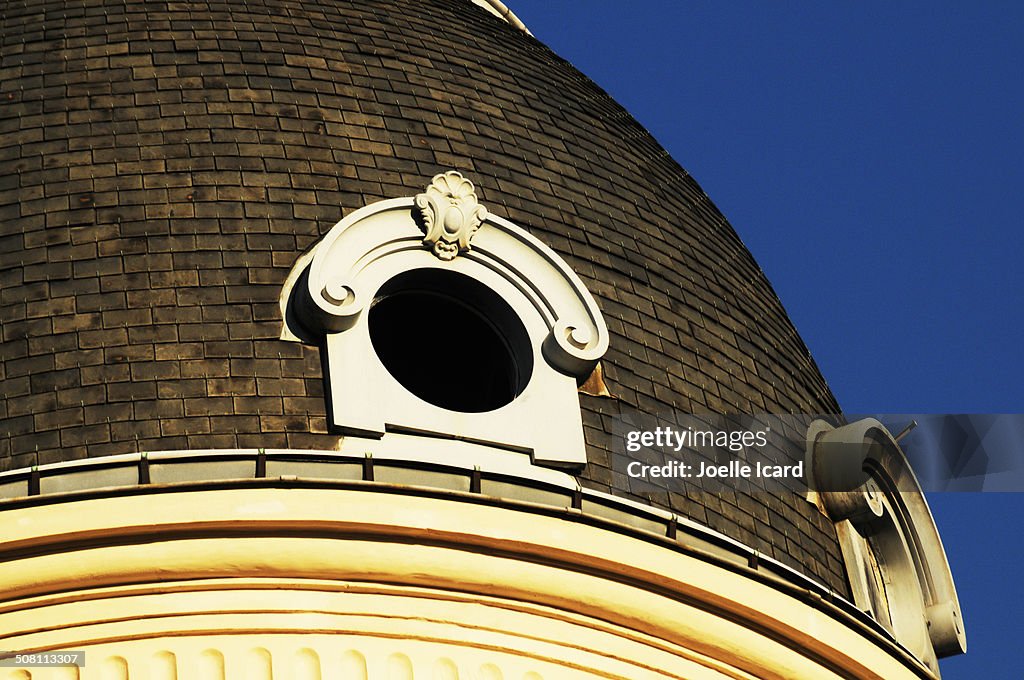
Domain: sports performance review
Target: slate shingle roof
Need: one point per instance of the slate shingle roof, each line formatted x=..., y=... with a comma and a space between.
x=163, y=164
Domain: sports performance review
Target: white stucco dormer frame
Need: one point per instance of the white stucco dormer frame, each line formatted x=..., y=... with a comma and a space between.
x=894, y=558
x=439, y=238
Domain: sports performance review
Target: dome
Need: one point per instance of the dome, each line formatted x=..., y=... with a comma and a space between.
x=165, y=165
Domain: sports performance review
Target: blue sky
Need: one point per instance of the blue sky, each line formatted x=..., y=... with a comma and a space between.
x=870, y=156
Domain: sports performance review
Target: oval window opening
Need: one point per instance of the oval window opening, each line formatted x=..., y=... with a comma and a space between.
x=451, y=341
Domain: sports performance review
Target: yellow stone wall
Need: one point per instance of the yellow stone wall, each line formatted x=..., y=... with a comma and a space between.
x=250, y=583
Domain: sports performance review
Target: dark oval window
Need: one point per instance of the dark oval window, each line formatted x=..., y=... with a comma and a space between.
x=450, y=340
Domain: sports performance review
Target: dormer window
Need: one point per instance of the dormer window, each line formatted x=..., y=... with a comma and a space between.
x=894, y=558
x=441, y=319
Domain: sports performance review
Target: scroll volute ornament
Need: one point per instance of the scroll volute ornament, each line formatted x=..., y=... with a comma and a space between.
x=450, y=214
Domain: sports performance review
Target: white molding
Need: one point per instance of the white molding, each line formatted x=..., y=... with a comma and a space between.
x=498, y=9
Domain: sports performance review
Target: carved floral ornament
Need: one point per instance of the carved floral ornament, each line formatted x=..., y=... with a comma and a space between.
x=450, y=213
